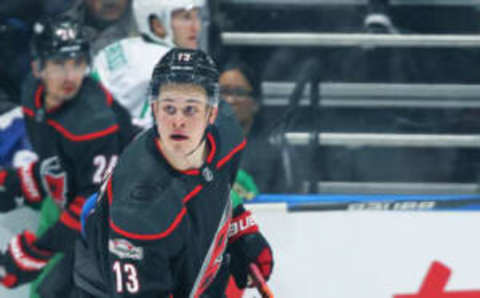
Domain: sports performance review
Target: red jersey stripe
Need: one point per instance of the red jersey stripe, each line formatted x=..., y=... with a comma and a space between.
x=85, y=137
x=161, y=235
x=70, y=221
x=164, y=234
x=28, y=112
x=231, y=154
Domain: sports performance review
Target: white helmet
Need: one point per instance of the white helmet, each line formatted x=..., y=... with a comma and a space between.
x=162, y=9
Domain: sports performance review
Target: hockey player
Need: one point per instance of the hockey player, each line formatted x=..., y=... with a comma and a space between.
x=163, y=220
x=125, y=67
x=76, y=129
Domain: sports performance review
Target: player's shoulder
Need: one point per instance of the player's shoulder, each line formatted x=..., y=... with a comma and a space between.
x=151, y=53
x=89, y=116
x=126, y=51
x=127, y=42
x=118, y=47
x=228, y=133
x=138, y=42
x=145, y=198
x=116, y=55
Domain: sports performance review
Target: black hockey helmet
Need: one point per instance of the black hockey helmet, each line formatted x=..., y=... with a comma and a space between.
x=186, y=66
x=59, y=36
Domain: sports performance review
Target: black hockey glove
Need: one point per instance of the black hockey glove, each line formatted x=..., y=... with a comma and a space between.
x=9, y=189
x=22, y=261
x=247, y=245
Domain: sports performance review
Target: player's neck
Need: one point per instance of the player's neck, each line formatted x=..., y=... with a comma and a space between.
x=52, y=102
x=246, y=126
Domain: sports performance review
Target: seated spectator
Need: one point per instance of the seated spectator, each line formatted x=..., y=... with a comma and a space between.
x=240, y=87
x=377, y=64
x=106, y=20
x=377, y=19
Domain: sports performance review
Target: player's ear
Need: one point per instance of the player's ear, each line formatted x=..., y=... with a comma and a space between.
x=157, y=27
x=36, y=69
x=213, y=115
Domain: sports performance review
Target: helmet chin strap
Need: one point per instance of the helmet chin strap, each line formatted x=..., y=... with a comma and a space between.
x=203, y=137
x=199, y=144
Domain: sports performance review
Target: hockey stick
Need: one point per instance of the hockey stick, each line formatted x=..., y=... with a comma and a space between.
x=389, y=205
x=260, y=282
x=295, y=203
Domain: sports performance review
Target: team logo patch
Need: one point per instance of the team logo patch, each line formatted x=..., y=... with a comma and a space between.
x=207, y=174
x=184, y=57
x=124, y=249
x=54, y=180
x=66, y=34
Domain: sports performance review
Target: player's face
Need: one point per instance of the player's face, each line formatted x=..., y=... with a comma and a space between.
x=63, y=77
x=182, y=115
x=236, y=90
x=107, y=10
x=186, y=27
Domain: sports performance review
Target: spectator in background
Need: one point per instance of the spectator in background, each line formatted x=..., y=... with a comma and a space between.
x=106, y=20
x=377, y=64
x=262, y=162
x=125, y=67
x=377, y=19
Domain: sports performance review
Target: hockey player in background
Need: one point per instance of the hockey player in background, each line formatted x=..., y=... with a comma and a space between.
x=15, y=149
x=163, y=220
x=125, y=67
x=76, y=129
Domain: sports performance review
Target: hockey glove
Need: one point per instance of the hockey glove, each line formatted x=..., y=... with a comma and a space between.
x=9, y=189
x=22, y=261
x=19, y=182
x=247, y=245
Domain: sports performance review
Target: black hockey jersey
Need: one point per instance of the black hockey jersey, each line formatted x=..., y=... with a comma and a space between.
x=76, y=144
x=157, y=231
